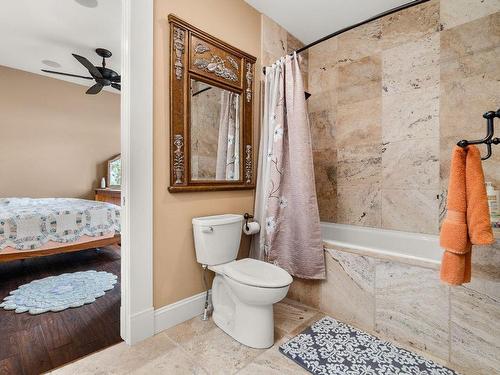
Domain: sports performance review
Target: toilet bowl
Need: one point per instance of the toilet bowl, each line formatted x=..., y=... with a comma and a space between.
x=243, y=291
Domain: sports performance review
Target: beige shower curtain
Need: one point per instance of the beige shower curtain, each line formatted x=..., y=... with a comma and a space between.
x=228, y=146
x=286, y=204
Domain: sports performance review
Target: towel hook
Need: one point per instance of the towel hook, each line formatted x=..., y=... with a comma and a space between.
x=488, y=140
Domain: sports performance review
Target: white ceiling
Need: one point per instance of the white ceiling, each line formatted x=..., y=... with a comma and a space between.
x=313, y=19
x=36, y=30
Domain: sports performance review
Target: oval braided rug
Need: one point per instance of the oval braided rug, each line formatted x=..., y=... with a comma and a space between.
x=57, y=293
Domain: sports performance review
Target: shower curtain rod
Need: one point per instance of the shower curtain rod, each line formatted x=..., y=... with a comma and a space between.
x=345, y=29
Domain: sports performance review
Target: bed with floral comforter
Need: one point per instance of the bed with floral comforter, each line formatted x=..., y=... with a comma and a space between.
x=27, y=223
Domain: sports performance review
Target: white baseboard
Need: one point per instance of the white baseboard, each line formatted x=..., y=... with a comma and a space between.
x=142, y=326
x=178, y=312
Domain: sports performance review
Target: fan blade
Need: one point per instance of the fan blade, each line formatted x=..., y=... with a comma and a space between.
x=65, y=74
x=96, y=89
x=116, y=79
x=86, y=63
x=116, y=86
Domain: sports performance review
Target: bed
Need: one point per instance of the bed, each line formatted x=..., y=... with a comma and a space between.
x=40, y=227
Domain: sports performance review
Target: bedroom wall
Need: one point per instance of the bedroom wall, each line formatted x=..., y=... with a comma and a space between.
x=176, y=273
x=54, y=139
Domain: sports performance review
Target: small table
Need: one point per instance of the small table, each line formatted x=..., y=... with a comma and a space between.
x=108, y=195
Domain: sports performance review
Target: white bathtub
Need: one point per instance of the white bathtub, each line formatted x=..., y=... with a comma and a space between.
x=412, y=248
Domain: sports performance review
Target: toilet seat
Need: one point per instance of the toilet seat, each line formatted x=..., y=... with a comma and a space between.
x=257, y=273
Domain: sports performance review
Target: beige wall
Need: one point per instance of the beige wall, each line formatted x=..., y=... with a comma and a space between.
x=54, y=139
x=176, y=273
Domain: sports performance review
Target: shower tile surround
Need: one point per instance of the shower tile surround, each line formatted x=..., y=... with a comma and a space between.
x=389, y=101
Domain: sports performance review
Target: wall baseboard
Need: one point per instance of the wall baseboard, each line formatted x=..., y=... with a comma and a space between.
x=178, y=312
x=142, y=326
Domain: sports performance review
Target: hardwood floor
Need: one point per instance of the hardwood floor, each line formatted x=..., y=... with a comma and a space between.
x=33, y=344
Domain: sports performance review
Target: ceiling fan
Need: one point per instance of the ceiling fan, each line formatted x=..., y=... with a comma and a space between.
x=102, y=75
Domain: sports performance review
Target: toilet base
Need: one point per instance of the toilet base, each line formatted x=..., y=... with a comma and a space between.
x=251, y=325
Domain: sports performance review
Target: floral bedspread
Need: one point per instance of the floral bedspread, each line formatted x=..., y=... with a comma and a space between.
x=27, y=223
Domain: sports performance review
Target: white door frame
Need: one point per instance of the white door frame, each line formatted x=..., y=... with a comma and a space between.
x=137, y=312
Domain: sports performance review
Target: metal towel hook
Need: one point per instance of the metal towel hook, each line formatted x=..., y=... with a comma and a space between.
x=488, y=140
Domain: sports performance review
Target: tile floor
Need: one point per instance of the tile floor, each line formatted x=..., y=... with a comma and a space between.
x=198, y=347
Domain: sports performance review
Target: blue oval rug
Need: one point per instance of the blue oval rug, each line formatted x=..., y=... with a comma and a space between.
x=57, y=293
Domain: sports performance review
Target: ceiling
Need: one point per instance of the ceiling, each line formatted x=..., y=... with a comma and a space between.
x=313, y=19
x=43, y=34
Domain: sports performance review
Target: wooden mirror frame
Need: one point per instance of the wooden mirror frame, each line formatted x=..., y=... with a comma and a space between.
x=188, y=46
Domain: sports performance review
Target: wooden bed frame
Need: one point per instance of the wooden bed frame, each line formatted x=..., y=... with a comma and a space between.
x=25, y=254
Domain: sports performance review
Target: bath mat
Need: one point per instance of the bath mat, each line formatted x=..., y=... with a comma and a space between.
x=57, y=293
x=330, y=347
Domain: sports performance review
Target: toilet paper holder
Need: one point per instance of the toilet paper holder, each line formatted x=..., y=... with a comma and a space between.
x=247, y=216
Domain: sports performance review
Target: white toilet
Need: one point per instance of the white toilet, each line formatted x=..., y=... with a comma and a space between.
x=243, y=291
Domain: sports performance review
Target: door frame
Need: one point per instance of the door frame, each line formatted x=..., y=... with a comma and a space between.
x=137, y=311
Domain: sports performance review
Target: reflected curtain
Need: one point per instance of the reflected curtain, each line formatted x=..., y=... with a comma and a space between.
x=228, y=145
x=286, y=205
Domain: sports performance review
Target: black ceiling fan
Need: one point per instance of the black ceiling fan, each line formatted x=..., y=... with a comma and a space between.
x=102, y=75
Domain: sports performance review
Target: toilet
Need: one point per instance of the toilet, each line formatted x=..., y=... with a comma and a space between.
x=243, y=291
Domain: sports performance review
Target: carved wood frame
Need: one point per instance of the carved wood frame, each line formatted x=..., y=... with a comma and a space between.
x=239, y=78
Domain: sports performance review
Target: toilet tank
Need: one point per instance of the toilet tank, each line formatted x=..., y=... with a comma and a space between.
x=217, y=238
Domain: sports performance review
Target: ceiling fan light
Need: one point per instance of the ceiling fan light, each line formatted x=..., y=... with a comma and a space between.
x=88, y=3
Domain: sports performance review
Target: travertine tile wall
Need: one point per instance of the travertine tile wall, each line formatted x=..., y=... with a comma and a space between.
x=390, y=99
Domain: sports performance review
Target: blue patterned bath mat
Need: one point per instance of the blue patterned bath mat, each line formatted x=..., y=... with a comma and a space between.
x=330, y=347
x=57, y=293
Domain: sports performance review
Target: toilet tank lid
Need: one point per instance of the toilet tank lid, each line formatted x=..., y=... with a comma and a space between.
x=217, y=219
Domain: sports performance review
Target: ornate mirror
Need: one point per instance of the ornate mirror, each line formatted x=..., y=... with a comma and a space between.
x=211, y=102
x=114, y=178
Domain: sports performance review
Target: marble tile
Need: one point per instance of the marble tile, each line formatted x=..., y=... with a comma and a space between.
x=156, y=355
x=190, y=330
x=480, y=63
x=410, y=24
x=462, y=104
x=475, y=329
x=289, y=315
x=323, y=54
x=359, y=205
x=322, y=130
x=272, y=362
x=218, y=352
x=486, y=270
x=325, y=174
x=411, y=164
x=274, y=41
x=359, y=42
x=359, y=165
x=305, y=291
x=412, y=66
x=479, y=35
x=359, y=123
x=458, y=12
x=411, y=306
x=322, y=101
x=348, y=291
x=410, y=210
x=322, y=79
x=360, y=80
x=411, y=115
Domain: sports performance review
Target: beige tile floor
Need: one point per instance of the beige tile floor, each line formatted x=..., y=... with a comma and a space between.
x=198, y=347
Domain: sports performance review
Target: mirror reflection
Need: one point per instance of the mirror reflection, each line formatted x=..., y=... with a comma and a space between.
x=214, y=132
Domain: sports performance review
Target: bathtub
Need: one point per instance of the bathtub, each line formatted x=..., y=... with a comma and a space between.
x=405, y=247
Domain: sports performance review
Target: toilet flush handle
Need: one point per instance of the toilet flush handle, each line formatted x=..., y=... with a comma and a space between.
x=207, y=229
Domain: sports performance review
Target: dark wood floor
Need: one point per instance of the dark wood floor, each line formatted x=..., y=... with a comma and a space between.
x=32, y=344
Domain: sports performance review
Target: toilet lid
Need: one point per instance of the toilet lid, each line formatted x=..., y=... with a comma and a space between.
x=257, y=273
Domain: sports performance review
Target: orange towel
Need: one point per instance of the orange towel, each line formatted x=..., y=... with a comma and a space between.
x=467, y=219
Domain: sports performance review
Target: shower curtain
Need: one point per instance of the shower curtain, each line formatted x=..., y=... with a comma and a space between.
x=228, y=145
x=285, y=205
